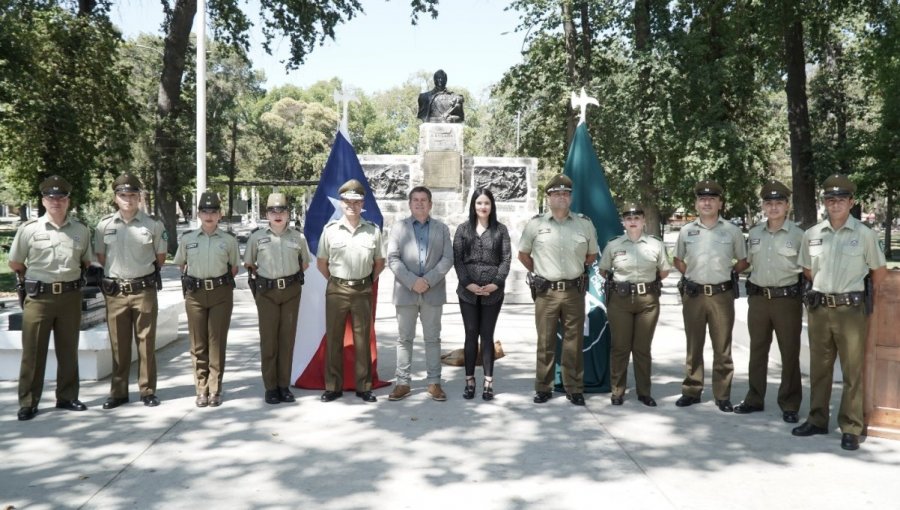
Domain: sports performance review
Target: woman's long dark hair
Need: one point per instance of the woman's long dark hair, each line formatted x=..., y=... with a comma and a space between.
x=492, y=217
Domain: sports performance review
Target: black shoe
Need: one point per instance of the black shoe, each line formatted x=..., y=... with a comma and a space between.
x=469, y=391
x=616, y=400
x=542, y=396
x=273, y=397
x=150, y=400
x=724, y=405
x=215, y=400
x=27, y=413
x=686, y=401
x=788, y=416
x=577, y=399
x=487, y=394
x=71, y=405
x=366, y=396
x=647, y=401
x=329, y=395
x=808, y=429
x=285, y=395
x=202, y=401
x=744, y=408
x=850, y=442
x=113, y=402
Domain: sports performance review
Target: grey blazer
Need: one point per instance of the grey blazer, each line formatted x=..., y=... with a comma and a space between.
x=403, y=259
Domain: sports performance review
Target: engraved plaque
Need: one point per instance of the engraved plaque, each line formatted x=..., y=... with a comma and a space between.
x=507, y=183
x=442, y=169
x=386, y=180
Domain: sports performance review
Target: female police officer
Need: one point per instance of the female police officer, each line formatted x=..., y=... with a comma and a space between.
x=637, y=263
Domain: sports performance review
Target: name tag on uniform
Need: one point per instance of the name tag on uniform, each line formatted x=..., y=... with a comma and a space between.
x=292, y=245
x=192, y=245
x=620, y=253
x=754, y=242
x=110, y=232
x=693, y=233
x=543, y=231
x=263, y=240
x=815, y=242
x=41, y=237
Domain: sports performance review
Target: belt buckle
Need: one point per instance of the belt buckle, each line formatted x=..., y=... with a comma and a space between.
x=209, y=285
x=767, y=292
x=561, y=286
x=280, y=283
x=126, y=288
x=830, y=301
x=56, y=287
x=640, y=288
x=707, y=290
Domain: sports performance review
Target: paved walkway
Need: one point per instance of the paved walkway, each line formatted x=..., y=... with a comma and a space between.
x=416, y=453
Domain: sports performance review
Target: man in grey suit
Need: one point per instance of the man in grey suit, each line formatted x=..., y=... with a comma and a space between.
x=420, y=254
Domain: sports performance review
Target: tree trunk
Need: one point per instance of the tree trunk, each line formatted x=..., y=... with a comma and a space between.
x=841, y=113
x=889, y=223
x=649, y=196
x=232, y=168
x=168, y=179
x=798, y=119
x=586, y=37
x=571, y=39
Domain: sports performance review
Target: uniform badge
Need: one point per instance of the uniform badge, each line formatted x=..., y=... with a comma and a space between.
x=76, y=238
x=620, y=253
x=693, y=233
x=110, y=232
x=192, y=246
x=788, y=244
x=854, y=242
x=754, y=242
x=815, y=242
x=263, y=240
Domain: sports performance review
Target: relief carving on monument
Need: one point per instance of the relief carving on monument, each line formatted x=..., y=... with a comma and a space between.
x=386, y=180
x=507, y=183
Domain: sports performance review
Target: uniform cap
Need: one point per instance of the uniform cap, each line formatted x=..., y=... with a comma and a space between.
x=838, y=186
x=559, y=182
x=352, y=190
x=775, y=190
x=708, y=188
x=209, y=201
x=277, y=202
x=632, y=209
x=127, y=182
x=55, y=186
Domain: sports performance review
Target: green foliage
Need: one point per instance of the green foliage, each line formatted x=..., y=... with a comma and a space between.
x=63, y=98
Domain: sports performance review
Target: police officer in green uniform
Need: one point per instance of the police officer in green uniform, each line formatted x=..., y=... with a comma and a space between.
x=837, y=255
x=131, y=246
x=209, y=259
x=276, y=257
x=555, y=247
x=49, y=253
x=637, y=264
x=774, y=288
x=708, y=250
x=351, y=258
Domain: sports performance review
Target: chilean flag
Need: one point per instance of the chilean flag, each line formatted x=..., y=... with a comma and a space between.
x=308, y=369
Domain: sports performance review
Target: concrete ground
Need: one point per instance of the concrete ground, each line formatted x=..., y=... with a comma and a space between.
x=417, y=453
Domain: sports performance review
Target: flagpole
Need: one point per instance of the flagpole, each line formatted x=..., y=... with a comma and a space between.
x=201, y=105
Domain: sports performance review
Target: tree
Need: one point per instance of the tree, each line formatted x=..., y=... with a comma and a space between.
x=65, y=103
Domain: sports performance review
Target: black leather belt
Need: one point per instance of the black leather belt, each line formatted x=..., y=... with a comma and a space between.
x=207, y=283
x=707, y=289
x=563, y=285
x=631, y=289
x=279, y=283
x=35, y=288
x=136, y=285
x=773, y=292
x=350, y=283
x=836, y=300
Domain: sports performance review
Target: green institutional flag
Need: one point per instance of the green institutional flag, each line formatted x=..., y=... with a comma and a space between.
x=591, y=197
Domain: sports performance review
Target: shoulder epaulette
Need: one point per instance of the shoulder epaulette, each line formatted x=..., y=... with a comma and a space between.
x=186, y=232
x=29, y=222
x=536, y=216
x=580, y=215
x=254, y=230
x=108, y=216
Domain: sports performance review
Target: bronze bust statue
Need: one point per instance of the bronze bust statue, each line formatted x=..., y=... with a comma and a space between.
x=439, y=104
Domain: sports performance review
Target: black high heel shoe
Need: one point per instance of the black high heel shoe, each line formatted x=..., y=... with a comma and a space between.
x=488, y=392
x=469, y=392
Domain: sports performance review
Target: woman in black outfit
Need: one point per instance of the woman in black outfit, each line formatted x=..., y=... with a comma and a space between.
x=481, y=255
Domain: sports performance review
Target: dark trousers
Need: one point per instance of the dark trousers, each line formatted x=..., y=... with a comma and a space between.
x=632, y=322
x=782, y=316
x=61, y=315
x=341, y=301
x=479, y=321
x=132, y=317
x=716, y=313
x=278, y=311
x=209, y=317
